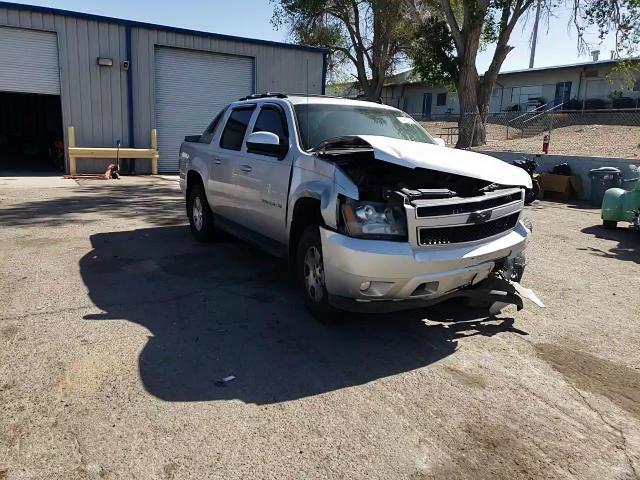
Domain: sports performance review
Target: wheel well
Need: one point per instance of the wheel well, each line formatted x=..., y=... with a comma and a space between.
x=306, y=212
x=193, y=178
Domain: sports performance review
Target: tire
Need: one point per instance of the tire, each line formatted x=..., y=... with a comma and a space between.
x=609, y=224
x=200, y=214
x=532, y=194
x=310, y=280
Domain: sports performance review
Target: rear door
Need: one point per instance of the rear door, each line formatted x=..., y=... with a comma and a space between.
x=228, y=199
x=206, y=149
x=263, y=180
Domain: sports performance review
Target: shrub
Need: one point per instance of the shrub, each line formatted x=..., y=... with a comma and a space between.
x=623, y=102
x=594, y=104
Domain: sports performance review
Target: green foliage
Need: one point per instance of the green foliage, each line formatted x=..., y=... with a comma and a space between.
x=434, y=55
x=371, y=35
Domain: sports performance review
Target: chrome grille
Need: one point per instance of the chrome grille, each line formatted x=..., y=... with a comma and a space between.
x=467, y=207
x=466, y=233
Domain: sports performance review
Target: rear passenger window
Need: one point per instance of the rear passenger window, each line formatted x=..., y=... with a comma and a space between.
x=208, y=134
x=235, y=128
x=272, y=119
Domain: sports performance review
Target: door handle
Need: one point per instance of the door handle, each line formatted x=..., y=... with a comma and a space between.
x=217, y=161
x=246, y=168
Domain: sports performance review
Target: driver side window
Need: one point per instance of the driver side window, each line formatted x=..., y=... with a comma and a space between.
x=272, y=119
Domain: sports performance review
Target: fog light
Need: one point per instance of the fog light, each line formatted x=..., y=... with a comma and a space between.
x=375, y=289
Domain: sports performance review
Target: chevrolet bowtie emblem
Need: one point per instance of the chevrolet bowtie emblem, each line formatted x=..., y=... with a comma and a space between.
x=480, y=216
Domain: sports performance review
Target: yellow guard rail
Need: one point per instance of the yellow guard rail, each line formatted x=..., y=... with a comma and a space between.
x=76, y=153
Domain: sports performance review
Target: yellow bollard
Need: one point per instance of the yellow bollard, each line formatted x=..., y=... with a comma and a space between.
x=154, y=146
x=71, y=142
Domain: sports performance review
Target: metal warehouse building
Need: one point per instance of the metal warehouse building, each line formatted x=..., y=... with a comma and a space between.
x=114, y=79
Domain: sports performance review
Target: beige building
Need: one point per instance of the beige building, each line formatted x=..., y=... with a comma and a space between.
x=578, y=86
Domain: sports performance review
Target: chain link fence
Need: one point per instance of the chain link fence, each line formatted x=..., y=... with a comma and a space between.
x=601, y=133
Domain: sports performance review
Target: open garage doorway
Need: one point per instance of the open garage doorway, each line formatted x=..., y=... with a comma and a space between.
x=31, y=137
x=31, y=140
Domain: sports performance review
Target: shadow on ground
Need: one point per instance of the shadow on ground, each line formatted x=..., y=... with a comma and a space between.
x=628, y=248
x=157, y=203
x=227, y=309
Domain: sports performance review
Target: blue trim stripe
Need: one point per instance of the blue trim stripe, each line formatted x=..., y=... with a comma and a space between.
x=135, y=24
x=132, y=138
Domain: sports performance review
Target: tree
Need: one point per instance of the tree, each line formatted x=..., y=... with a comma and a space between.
x=369, y=35
x=463, y=26
x=451, y=33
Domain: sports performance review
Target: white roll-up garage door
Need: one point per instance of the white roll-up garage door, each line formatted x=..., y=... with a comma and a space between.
x=29, y=61
x=191, y=87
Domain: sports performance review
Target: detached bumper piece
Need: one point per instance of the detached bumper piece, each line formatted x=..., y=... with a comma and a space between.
x=495, y=292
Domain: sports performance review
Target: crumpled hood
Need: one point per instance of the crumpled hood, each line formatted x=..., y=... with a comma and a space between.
x=450, y=160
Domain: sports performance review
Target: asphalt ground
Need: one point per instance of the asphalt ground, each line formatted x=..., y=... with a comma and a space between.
x=116, y=329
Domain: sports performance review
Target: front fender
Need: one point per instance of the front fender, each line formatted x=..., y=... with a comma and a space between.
x=310, y=184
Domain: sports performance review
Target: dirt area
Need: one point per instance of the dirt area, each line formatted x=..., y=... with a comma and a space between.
x=115, y=327
x=589, y=140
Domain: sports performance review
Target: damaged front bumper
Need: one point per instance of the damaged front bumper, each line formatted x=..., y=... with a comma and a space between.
x=377, y=276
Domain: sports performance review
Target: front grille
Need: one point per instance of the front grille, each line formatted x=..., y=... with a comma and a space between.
x=466, y=233
x=467, y=207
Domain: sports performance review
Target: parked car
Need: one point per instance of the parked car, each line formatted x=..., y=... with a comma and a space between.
x=371, y=211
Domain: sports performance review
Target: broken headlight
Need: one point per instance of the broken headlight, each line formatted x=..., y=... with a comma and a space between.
x=374, y=220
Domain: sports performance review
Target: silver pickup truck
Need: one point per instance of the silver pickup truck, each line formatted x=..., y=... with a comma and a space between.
x=372, y=212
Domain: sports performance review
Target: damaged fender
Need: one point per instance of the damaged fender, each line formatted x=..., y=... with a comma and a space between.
x=322, y=180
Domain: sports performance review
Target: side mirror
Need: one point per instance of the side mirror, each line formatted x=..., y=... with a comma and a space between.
x=192, y=138
x=440, y=141
x=266, y=143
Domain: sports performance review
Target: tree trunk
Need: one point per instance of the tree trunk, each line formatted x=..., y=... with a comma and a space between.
x=473, y=117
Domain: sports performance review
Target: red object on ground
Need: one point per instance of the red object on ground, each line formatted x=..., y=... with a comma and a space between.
x=545, y=142
x=112, y=172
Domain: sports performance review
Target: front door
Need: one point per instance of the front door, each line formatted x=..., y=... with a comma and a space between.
x=263, y=180
x=563, y=92
x=426, y=105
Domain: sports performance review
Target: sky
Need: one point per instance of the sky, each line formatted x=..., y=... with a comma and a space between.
x=251, y=18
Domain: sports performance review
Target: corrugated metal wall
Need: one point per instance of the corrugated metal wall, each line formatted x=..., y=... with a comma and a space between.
x=94, y=98
x=277, y=69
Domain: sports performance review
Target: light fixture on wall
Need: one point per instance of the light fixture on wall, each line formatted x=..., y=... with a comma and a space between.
x=105, y=62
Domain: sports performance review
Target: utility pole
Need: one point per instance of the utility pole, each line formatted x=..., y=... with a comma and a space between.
x=535, y=36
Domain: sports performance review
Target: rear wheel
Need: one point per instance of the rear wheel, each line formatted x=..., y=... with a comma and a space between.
x=200, y=214
x=310, y=276
x=609, y=224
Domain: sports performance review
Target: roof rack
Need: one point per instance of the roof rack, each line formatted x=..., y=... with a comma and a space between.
x=263, y=95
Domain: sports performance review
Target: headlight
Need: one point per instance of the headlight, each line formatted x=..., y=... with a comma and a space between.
x=374, y=219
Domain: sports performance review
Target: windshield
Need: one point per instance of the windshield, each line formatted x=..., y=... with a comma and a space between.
x=320, y=122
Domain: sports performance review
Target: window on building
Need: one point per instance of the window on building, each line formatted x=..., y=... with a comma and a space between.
x=272, y=119
x=523, y=96
x=441, y=99
x=236, y=127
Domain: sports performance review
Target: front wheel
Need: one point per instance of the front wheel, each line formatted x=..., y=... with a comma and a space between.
x=310, y=276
